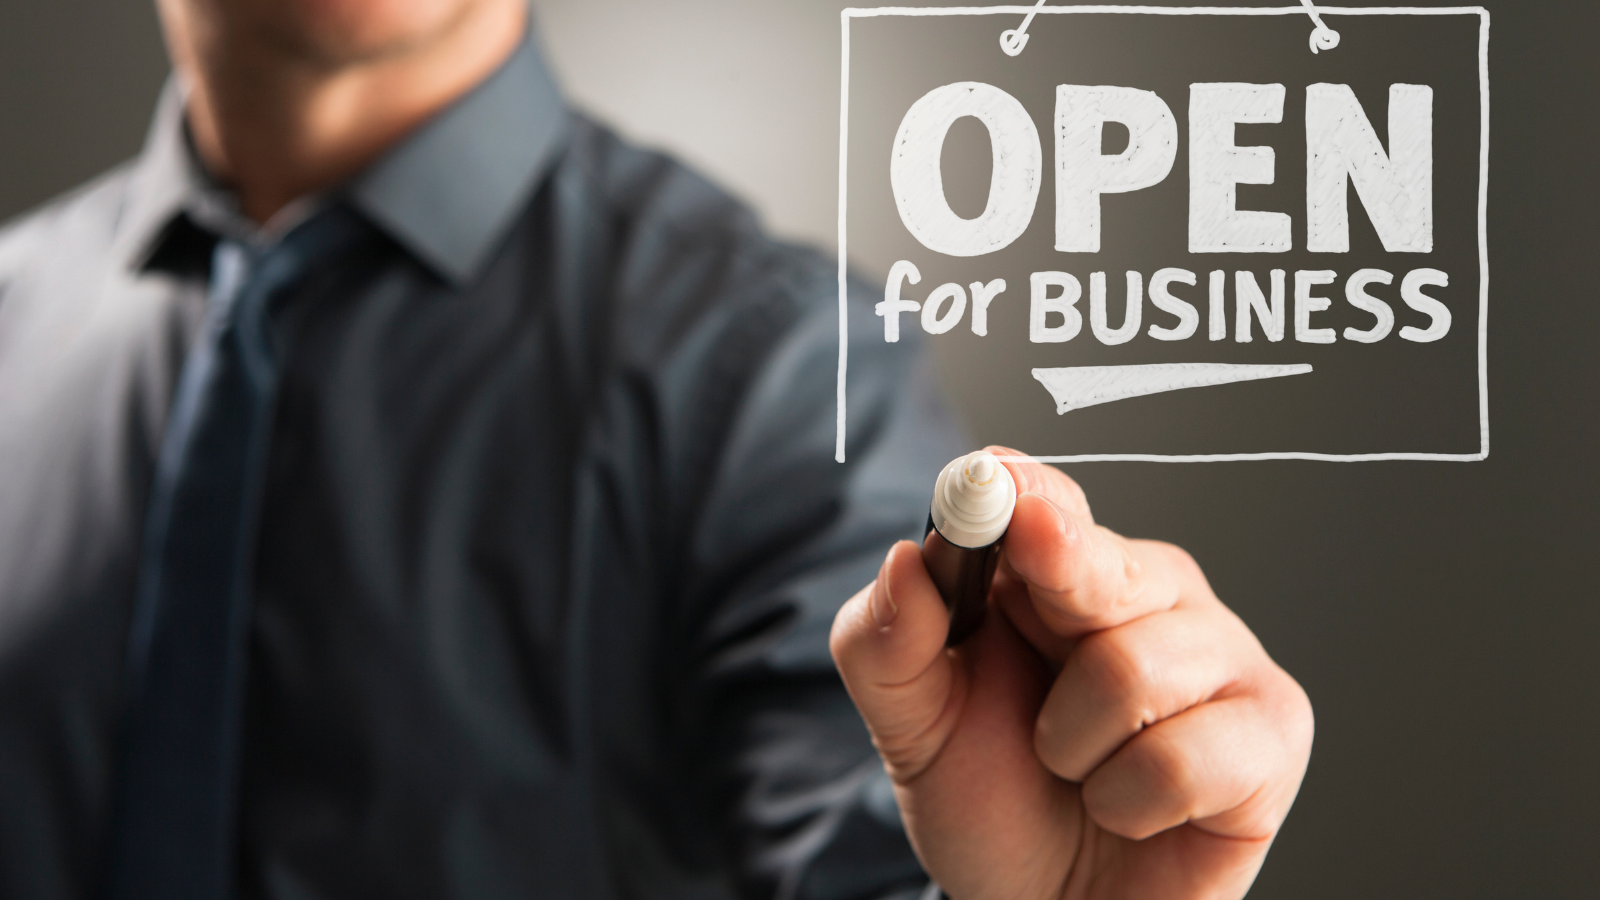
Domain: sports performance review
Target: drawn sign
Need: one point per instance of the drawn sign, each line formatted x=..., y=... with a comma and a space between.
x=1179, y=234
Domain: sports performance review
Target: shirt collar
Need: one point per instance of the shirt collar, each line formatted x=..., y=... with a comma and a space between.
x=446, y=193
x=164, y=179
x=450, y=190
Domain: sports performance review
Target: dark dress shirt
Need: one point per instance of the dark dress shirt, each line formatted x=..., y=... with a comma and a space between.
x=552, y=536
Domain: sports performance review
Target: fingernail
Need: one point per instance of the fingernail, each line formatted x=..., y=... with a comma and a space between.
x=881, y=603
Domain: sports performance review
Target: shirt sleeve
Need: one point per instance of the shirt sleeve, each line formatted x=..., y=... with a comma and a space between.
x=780, y=757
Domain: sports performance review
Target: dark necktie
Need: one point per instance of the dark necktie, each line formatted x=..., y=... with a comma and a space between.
x=173, y=833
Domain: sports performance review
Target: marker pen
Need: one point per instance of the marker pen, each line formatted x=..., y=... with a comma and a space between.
x=971, y=508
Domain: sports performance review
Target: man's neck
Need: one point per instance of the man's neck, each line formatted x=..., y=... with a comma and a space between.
x=276, y=126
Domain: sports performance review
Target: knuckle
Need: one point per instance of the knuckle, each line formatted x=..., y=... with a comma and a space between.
x=836, y=640
x=1120, y=564
x=901, y=759
x=1285, y=703
x=1077, y=500
x=1181, y=561
x=1299, y=720
x=1118, y=673
x=841, y=633
x=1168, y=769
x=1050, y=746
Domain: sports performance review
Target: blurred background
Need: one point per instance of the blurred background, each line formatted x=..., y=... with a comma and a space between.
x=1444, y=617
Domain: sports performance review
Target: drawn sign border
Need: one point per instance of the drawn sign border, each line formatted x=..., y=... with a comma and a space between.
x=1483, y=203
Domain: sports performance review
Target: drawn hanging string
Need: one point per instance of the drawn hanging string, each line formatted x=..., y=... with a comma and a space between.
x=1012, y=40
x=1322, y=37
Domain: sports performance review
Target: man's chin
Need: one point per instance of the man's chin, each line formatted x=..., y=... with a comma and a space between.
x=337, y=33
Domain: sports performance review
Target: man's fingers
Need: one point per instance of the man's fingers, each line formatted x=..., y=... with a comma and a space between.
x=1047, y=481
x=1122, y=680
x=888, y=642
x=1222, y=766
x=1083, y=577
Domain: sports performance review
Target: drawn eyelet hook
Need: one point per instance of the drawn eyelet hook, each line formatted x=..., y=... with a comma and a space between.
x=1322, y=37
x=1012, y=40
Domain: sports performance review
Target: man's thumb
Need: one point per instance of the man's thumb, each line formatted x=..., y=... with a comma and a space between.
x=888, y=643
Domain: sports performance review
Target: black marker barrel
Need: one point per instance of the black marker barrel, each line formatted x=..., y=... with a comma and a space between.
x=972, y=503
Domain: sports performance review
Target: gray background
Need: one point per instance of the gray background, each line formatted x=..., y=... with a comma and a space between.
x=1443, y=616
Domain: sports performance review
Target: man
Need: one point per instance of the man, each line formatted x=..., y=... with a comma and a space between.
x=409, y=490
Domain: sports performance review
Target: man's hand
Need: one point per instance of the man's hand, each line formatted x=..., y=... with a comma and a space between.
x=1112, y=730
